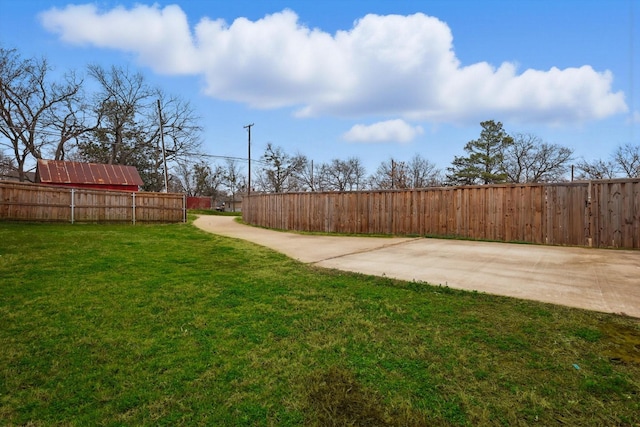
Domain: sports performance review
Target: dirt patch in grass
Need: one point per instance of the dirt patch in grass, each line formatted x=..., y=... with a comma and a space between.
x=336, y=398
x=622, y=342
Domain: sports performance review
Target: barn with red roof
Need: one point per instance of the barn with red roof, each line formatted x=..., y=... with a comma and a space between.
x=88, y=175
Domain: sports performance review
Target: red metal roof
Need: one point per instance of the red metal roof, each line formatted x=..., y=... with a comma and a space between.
x=63, y=172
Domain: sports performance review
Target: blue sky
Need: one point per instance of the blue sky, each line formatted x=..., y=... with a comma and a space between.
x=371, y=79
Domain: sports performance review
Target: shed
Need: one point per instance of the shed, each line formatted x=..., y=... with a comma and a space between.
x=88, y=175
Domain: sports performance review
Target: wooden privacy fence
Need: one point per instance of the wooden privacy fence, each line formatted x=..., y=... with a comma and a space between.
x=31, y=202
x=594, y=213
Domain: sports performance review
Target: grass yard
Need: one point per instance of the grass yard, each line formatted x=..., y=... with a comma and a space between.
x=169, y=325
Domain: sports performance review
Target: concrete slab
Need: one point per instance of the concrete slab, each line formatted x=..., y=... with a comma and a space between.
x=595, y=279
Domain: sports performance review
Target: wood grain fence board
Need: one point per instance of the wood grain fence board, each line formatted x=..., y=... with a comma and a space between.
x=626, y=216
x=356, y=216
x=398, y=205
x=340, y=219
x=363, y=213
x=600, y=212
x=291, y=212
x=512, y=204
x=558, y=207
x=350, y=210
x=494, y=220
x=303, y=205
x=581, y=203
x=616, y=217
x=295, y=213
x=467, y=228
x=635, y=216
x=594, y=218
x=536, y=215
x=480, y=213
x=319, y=212
x=626, y=219
x=389, y=200
x=427, y=213
x=424, y=212
x=386, y=217
x=414, y=223
x=606, y=204
x=612, y=225
x=524, y=215
x=527, y=217
x=458, y=209
x=439, y=214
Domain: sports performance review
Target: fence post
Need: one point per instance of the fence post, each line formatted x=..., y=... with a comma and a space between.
x=184, y=207
x=589, y=218
x=133, y=217
x=73, y=204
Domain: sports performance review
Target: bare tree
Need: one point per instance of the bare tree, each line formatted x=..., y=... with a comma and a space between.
x=342, y=175
x=423, y=173
x=199, y=179
x=127, y=124
x=358, y=174
x=129, y=113
x=7, y=166
x=391, y=175
x=66, y=122
x=181, y=129
x=417, y=173
x=233, y=180
x=309, y=176
x=625, y=161
x=530, y=159
x=627, y=158
x=281, y=171
x=27, y=101
x=596, y=169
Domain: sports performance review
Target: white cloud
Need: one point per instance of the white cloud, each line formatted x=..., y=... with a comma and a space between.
x=385, y=65
x=388, y=131
x=160, y=37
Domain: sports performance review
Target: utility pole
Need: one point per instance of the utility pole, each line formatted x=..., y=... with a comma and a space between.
x=393, y=173
x=248, y=128
x=164, y=153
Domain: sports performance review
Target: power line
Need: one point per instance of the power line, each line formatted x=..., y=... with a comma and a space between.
x=213, y=156
x=43, y=131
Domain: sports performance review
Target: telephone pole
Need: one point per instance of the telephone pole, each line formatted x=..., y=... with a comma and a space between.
x=248, y=128
x=164, y=152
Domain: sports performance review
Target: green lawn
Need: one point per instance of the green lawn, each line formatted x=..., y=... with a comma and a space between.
x=169, y=325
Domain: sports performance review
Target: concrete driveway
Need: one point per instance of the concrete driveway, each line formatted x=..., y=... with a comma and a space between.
x=594, y=279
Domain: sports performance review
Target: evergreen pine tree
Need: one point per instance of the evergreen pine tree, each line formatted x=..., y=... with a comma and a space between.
x=483, y=165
